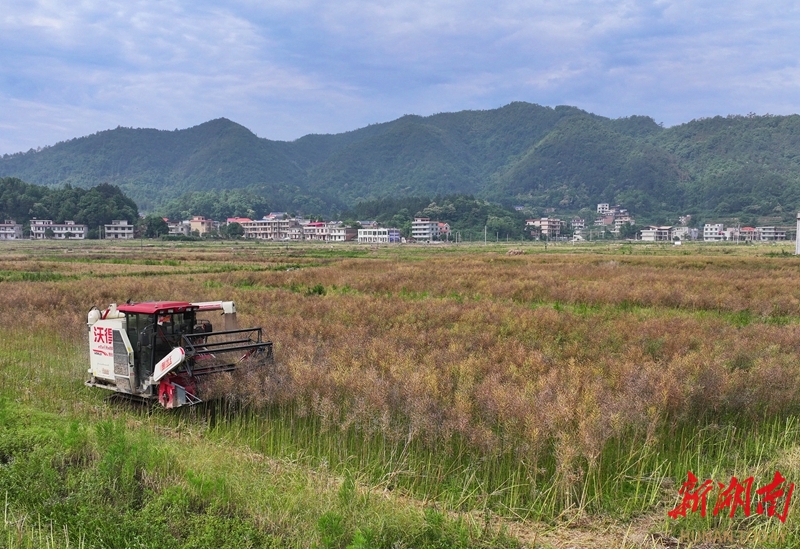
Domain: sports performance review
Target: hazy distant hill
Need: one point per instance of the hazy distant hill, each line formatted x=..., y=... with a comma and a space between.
x=522, y=153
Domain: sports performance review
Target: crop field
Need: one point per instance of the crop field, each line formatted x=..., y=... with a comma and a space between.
x=430, y=396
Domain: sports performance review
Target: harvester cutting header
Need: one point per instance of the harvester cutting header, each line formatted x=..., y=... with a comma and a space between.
x=159, y=350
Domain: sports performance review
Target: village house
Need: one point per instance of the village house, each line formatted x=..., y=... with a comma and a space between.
x=684, y=233
x=69, y=230
x=178, y=228
x=239, y=220
x=620, y=220
x=201, y=225
x=713, y=232
x=770, y=234
x=653, y=233
x=10, y=230
x=316, y=230
x=341, y=233
x=277, y=226
x=547, y=228
x=423, y=229
x=118, y=229
x=379, y=236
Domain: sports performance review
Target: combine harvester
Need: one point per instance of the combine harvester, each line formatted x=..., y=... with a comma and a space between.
x=158, y=350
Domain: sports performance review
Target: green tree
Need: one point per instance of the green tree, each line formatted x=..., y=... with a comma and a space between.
x=153, y=226
x=627, y=231
x=234, y=230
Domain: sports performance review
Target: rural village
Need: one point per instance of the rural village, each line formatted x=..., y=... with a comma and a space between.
x=281, y=227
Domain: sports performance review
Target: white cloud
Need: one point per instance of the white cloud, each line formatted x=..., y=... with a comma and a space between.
x=286, y=68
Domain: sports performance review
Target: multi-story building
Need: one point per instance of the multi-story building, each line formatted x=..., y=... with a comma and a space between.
x=373, y=236
x=770, y=234
x=379, y=236
x=577, y=223
x=747, y=234
x=268, y=228
x=603, y=208
x=546, y=227
x=118, y=229
x=422, y=228
x=340, y=233
x=201, y=224
x=68, y=230
x=179, y=228
x=10, y=230
x=713, y=232
x=295, y=233
x=316, y=230
x=606, y=220
x=683, y=233
x=620, y=220
x=657, y=234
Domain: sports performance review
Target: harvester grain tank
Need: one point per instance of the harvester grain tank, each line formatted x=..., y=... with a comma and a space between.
x=160, y=350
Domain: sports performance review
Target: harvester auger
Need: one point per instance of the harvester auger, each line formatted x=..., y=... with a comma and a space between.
x=158, y=350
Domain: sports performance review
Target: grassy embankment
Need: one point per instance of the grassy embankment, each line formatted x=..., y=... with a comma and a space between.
x=429, y=397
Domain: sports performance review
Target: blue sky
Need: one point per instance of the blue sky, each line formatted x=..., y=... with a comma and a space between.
x=285, y=68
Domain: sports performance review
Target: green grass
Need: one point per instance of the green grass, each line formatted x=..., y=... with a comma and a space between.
x=78, y=471
x=35, y=276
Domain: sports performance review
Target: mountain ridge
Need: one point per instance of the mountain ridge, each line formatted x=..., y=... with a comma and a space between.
x=522, y=153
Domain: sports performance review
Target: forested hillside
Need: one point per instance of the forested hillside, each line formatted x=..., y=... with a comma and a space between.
x=97, y=206
x=520, y=154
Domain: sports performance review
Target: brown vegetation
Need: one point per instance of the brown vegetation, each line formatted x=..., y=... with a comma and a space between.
x=515, y=355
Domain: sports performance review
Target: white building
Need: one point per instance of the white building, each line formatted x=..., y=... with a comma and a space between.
x=373, y=236
x=620, y=220
x=340, y=233
x=179, y=228
x=119, y=229
x=317, y=230
x=68, y=230
x=657, y=234
x=603, y=208
x=770, y=234
x=546, y=227
x=682, y=233
x=10, y=230
x=267, y=228
x=422, y=228
x=713, y=232
x=295, y=233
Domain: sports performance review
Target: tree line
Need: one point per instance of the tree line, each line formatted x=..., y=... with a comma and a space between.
x=468, y=216
x=94, y=207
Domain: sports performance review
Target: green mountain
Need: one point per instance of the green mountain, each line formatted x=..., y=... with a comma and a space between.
x=520, y=154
